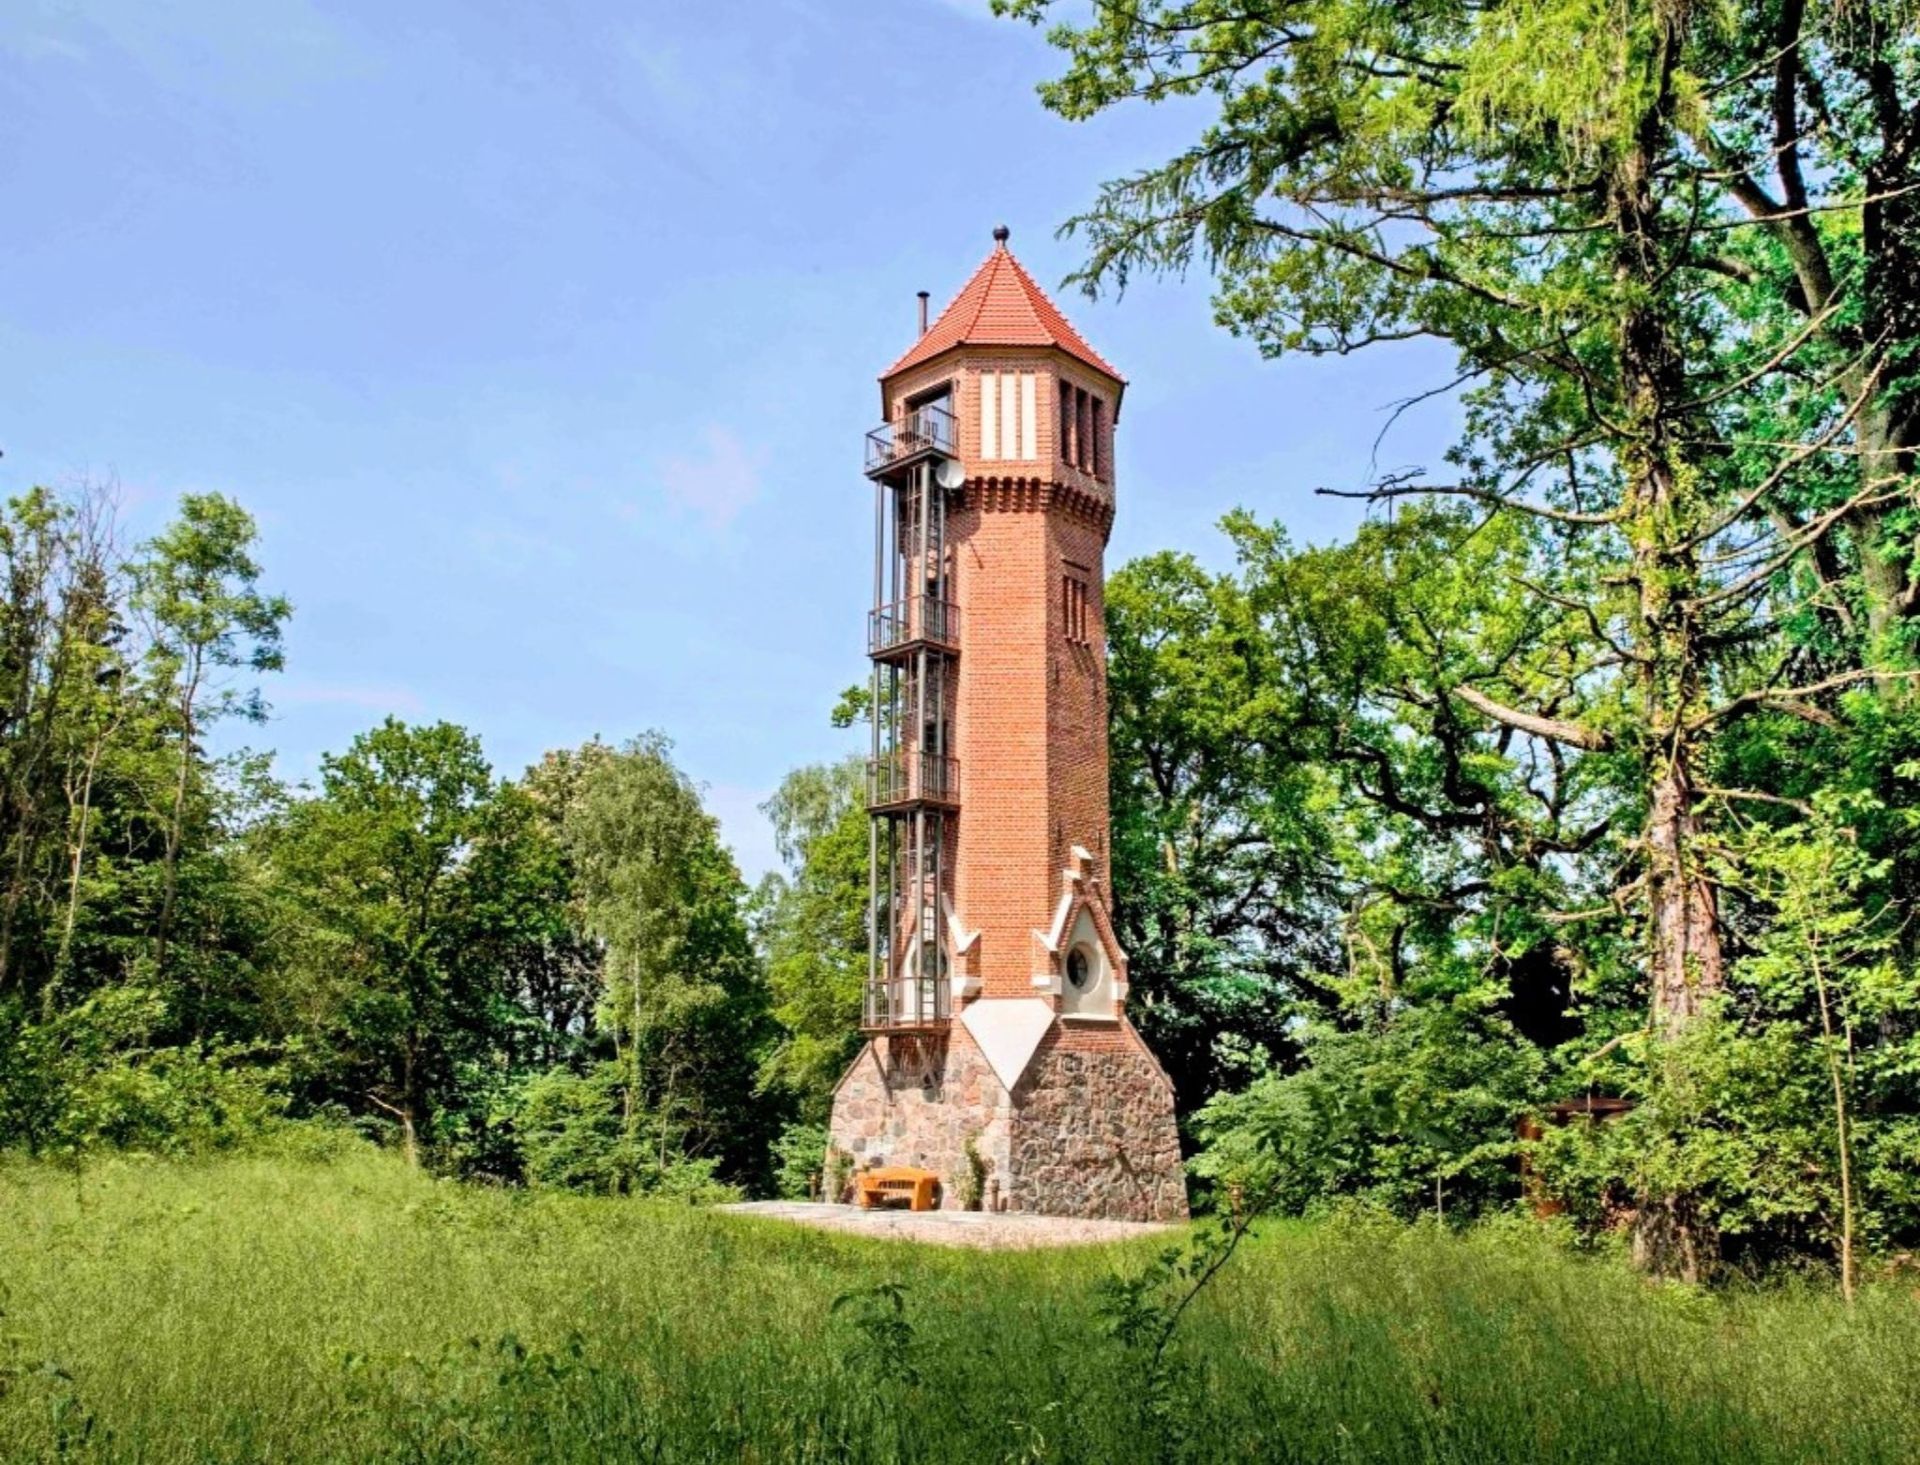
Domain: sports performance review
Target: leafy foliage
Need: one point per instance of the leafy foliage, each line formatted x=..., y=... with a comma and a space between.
x=1536, y=710
x=811, y=929
x=190, y=950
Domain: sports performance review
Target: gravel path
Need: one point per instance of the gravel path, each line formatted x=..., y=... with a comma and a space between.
x=987, y=1231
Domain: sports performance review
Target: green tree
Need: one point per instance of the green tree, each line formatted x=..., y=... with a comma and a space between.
x=536, y=920
x=682, y=994
x=1793, y=1122
x=811, y=929
x=1224, y=885
x=375, y=878
x=197, y=585
x=56, y=628
x=1415, y=1114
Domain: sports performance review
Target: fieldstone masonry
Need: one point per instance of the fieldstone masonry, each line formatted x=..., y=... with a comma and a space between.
x=1093, y=1135
x=917, y=1101
x=1086, y=1132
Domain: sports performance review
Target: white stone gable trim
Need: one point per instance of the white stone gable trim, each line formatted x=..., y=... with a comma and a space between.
x=960, y=936
x=1054, y=937
x=1078, y=890
x=1008, y=1030
x=962, y=941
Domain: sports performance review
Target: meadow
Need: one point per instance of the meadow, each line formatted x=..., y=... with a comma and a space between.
x=347, y=1308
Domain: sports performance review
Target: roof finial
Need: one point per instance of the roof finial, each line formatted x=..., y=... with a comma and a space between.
x=1001, y=234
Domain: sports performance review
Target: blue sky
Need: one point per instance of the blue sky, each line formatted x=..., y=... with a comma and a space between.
x=540, y=339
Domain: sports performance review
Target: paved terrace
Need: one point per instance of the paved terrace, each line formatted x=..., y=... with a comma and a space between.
x=987, y=1231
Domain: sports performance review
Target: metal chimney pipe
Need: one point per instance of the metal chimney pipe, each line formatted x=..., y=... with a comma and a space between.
x=923, y=312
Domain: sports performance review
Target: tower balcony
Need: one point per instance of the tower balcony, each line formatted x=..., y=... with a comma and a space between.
x=905, y=626
x=908, y=779
x=906, y=1004
x=921, y=435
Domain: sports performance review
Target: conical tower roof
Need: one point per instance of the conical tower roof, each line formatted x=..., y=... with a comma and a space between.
x=1001, y=306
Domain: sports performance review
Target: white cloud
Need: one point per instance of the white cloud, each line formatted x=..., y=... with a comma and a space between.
x=716, y=484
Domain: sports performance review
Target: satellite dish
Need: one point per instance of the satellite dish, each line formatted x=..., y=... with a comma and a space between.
x=949, y=474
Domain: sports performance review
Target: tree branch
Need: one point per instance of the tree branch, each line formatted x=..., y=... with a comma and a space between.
x=1558, y=729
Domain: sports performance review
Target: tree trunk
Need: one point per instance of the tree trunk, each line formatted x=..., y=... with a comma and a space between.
x=76, y=865
x=1671, y=1239
x=1665, y=514
x=1687, y=966
x=170, y=877
x=1842, y=1139
x=410, y=1105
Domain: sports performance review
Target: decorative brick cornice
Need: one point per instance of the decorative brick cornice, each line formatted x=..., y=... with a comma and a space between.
x=993, y=493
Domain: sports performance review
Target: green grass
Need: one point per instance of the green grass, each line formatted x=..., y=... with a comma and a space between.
x=277, y=1309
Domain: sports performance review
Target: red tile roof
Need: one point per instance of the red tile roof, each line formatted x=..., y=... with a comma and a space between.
x=1001, y=306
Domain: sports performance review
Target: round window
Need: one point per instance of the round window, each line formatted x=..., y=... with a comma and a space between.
x=1079, y=969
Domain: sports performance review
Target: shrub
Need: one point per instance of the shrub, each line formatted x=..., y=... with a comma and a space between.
x=576, y=1133
x=798, y=1156
x=1412, y=1117
x=89, y=1080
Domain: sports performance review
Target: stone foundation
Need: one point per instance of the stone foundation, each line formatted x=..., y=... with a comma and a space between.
x=1093, y=1134
x=916, y=1101
x=1089, y=1130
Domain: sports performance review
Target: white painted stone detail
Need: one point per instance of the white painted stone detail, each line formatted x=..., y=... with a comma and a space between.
x=1096, y=999
x=1008, y=1030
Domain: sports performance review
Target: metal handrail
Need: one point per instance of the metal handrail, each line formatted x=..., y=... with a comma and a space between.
x=916, y=618
x=915, y=994
x=918, y=430
x=904, y=1002
x=905, y=776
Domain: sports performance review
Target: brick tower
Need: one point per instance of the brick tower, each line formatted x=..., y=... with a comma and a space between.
x=995, y=1012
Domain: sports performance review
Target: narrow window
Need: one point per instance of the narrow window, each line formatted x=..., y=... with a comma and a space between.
x=1029, y=412
x=989, y=418
x=1099, y=437
x=1009, y=415
x=1073, y=609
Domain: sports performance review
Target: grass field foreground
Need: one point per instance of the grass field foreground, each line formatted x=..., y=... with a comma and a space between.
x=293, y=1309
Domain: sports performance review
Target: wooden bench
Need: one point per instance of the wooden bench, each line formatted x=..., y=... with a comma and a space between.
x=895, y=1183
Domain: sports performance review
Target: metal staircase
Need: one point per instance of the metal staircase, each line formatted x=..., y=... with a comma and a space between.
x=913, y=779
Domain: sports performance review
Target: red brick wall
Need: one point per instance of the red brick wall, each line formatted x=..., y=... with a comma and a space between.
x=1077, y=696
x=1030, y=726
x=1002, y=887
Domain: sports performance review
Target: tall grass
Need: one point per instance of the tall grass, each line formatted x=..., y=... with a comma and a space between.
x=278, y=1309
